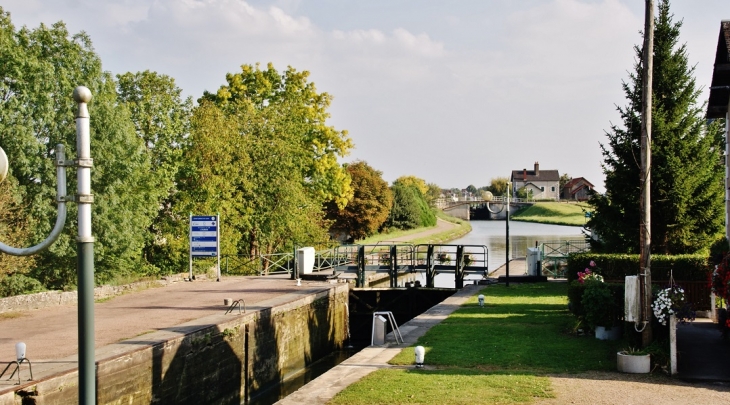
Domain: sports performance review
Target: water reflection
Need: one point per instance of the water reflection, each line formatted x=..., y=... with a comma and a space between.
x=521, y=236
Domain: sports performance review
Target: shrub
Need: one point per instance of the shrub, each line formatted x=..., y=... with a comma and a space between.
x=19, y=284
x=596, y=303
x=615, y=267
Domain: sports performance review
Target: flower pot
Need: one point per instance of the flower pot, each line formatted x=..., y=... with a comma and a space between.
x=603, y=333
x=636, y=364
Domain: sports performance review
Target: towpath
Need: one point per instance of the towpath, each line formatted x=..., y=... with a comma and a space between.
x=441, y=226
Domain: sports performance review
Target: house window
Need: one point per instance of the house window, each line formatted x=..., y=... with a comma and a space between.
x=542, y=188
x=552, y=189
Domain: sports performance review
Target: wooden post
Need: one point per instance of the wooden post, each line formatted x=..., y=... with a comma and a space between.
x=645, y=180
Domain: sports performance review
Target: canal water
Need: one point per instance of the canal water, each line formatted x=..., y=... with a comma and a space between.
x=522, y=235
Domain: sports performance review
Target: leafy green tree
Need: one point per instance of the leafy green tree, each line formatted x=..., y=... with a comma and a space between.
x=161, y=120
x=564, y=179
x=524, y=192
x=301, y=113
x=369, y=207
x=410, y=209
x=209, y=182
x=433, y=193
x=405, y=213
x=473, y=190
x=40, y=69
x=498, y=185
x=244, y=166
x=14, y=228
x=417, y=182
x=687, y=171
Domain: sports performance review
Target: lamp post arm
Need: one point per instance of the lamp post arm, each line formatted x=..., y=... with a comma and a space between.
x=60, y=162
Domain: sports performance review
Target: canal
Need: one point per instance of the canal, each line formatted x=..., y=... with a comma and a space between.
x=521, y=236
x=487, y=233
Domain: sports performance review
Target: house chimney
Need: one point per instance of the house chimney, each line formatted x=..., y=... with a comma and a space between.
x=537, y=169
x=524, y=175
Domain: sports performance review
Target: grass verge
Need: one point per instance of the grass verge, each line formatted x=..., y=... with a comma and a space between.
x=556, y=213
x=462, y=228
x=503, y=350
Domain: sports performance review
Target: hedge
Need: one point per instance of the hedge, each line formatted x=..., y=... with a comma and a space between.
x=616, y=267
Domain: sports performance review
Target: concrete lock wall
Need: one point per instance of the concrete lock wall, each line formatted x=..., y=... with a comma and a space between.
x=221, y=359
x=459, y=211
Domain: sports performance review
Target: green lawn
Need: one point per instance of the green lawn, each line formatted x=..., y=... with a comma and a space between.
x=498, y=353
x=558, y=213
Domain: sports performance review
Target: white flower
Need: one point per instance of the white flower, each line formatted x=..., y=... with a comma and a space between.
x=666, y=303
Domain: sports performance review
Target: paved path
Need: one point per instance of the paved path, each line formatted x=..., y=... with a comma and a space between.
x=51, y=334
x=702, y=353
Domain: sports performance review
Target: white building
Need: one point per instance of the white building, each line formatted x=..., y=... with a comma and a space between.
x=544, y=184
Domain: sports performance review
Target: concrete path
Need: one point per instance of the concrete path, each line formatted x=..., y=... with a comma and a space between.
x=702, y=353
x=51, y=334
x=326, y=386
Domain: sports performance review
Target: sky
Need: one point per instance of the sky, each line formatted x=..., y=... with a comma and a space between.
x=454, y=92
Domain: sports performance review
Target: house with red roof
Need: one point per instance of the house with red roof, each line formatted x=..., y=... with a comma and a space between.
x=577, y=189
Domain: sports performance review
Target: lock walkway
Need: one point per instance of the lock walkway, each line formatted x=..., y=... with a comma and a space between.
x=51, y=333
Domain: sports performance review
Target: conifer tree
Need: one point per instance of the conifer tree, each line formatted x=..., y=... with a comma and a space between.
x=686, y=170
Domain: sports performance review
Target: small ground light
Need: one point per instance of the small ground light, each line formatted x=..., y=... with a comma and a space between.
x=481, y=300
x=20, y=358
x=20, y=351
x=420, y=354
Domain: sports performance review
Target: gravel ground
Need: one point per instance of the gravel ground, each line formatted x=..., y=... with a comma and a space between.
x=599, y=388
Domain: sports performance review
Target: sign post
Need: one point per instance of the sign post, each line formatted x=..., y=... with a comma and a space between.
x=204, y=240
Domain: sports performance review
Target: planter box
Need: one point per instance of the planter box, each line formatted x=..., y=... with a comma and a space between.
x=608, y=334
x=628, y=363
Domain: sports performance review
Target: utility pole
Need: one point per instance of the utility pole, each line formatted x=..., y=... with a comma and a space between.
x=645, y=181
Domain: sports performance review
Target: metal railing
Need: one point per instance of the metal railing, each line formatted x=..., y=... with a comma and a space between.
x=384, y=258
x=445, y=202
x=555, y=255
x=277, y=263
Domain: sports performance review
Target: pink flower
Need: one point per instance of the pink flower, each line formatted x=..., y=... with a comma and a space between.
x=592, y=263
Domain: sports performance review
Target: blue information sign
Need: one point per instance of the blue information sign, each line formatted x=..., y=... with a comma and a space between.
x=204, y=235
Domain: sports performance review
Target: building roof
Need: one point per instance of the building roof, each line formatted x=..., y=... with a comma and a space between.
x=530, y=176
x=720, y=85
x=577, y=180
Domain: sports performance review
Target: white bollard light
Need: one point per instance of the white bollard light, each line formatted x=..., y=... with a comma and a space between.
x=20, y=351
x=481, y=300
x=420, y=354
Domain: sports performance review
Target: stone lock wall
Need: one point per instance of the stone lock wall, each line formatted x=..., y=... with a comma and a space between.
x=220, y=359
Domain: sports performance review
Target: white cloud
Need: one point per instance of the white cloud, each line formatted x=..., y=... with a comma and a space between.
x=420, y=44
x=455, y=93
